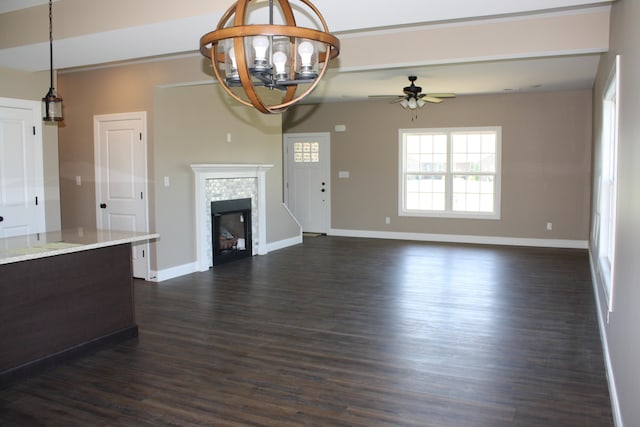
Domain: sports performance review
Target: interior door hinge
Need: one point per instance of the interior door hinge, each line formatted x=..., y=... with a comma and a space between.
x=141, y=196
x=143, y=253
x=36, y=200
x=140, y=136
x=34, y=130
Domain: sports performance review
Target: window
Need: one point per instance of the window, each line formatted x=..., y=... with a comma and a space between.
x=608, y=181
x=450, y=172
x=306, y=152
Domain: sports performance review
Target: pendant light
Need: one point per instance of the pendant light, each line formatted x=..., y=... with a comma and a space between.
x=52, y=104
x=250, y=61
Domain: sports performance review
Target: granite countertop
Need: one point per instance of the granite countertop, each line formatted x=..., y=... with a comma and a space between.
x=41, y=245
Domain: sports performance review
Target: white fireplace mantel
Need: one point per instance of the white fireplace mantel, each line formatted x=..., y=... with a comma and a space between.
x=204, y=172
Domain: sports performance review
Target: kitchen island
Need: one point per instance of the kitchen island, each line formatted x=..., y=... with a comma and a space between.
x=63, y=293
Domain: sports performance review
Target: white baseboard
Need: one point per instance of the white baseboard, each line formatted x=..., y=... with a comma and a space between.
x=613, y=391
x=281, y=244
x=181, y=270
x=192, y=267
x=455, y=238
x=172, y=272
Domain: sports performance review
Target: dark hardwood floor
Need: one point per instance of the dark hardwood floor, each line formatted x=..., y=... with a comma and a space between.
x=346, y=332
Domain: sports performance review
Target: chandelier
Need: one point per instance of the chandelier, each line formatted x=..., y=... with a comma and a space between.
x=251, y=61
x=52, y=104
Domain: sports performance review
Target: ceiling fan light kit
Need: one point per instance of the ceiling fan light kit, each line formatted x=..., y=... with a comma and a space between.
x=414, y=99
x=258, y=57
x=412, y=103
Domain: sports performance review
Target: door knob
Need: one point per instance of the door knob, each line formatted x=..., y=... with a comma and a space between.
x=322, y=190
x=1, y=219
x=103, y=205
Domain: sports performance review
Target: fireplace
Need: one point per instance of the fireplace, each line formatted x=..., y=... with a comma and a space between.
x=214, y=182
x=231, y=230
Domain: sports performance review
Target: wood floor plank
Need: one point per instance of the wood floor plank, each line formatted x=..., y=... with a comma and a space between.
x=346, y=332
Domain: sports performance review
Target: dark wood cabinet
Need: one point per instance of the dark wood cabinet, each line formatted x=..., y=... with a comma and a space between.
x=58, y=306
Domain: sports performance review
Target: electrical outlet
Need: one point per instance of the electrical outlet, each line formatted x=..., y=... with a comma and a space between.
x=387, y=220
x=549, y=226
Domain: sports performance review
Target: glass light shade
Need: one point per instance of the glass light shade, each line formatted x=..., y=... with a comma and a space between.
x=421, y=103
x=260, y=51
x=230, y=63
x=306, y=59
x=52, y=107
x=281, y=59
x=412, y=104
x=404, y=103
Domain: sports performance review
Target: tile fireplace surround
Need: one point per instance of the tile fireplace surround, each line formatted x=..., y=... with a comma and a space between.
x=227, y=182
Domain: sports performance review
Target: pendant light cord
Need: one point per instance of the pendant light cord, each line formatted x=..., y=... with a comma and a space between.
x=51, y=45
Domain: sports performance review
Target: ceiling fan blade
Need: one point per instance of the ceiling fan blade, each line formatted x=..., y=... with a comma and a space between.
x=442, y=95
x=431, y=99
x=385, y=96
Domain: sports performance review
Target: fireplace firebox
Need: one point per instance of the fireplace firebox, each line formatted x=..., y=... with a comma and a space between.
x=231, y=230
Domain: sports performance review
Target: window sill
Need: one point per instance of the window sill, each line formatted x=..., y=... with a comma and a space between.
x=449, y=215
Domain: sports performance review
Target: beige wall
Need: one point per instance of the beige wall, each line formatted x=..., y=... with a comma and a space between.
x=546, y=145
x=620, y=327
x=191, y=126
x=555, y=34
x=175, y=140
x=33, y=86
x=72, y=18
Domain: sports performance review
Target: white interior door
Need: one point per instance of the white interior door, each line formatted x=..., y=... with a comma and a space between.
x=121, y=179
x=308, y=186
x=21, y=168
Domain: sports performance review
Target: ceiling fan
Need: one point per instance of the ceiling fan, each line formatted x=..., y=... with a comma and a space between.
x=414, y=98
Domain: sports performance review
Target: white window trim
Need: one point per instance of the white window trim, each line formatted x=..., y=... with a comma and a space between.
x=449, y=213
x=606, y=260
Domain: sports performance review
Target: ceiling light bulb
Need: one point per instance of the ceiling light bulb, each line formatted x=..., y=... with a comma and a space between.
x=412, y=103
x=260, y=45
x=230, y=65
x=280, y=61
x=306, y=51
x=232, y=56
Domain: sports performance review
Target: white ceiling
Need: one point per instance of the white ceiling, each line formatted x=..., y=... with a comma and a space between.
x=173, y=37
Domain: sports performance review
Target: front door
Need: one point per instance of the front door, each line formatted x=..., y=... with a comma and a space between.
x=308, y=190
x=21, y=168
x=121, y=179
